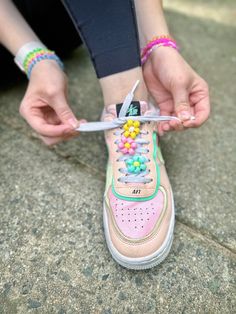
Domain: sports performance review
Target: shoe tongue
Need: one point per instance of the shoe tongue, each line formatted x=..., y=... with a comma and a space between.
x=136, y=108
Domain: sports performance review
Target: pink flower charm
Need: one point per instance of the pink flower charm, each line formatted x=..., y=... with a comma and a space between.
x=127, y=145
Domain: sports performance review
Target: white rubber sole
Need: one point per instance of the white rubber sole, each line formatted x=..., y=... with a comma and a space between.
x=141, y=262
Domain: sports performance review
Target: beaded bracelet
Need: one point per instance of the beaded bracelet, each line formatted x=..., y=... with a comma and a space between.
x=163, y=40
x=32, y=53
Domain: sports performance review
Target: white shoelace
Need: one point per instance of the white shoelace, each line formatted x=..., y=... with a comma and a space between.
x=118, y=123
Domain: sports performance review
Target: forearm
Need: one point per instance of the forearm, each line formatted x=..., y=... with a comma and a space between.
x=151, y=20
x=14, y=30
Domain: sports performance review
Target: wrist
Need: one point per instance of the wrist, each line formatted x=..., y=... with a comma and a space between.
x=23, y=51
x=33, y=53
x=163, y=41
x=163, y=52
x=43, y=67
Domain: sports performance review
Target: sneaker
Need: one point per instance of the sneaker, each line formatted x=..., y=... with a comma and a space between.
x=138, y=211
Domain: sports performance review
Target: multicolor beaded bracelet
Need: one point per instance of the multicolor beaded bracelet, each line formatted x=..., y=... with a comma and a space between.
x=163, y=40
x=32, y=53
x=38, y=55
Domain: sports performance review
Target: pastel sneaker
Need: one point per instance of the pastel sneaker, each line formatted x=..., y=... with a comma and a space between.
x=138, y=209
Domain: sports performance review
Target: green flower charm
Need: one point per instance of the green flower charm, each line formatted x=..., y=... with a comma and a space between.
x=136, y=164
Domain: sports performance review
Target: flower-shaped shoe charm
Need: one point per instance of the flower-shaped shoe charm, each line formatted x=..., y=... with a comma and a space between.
x=127, y=145
x=131, y=128
x=136, y=164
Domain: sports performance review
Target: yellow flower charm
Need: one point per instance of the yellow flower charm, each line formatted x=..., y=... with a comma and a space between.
x=131, y=128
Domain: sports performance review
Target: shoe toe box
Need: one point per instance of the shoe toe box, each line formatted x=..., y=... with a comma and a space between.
x=137, y=229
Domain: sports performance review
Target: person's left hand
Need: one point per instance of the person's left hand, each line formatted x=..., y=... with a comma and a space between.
x=177, y=89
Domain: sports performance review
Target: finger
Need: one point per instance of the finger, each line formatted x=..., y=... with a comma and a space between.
x=176, y=125
x=38, y=123
x=201, y=113
x=160, y=131
x=50, y=130
x=181, y=102
x=64, y=112
x=50, y=141
x=164, y=126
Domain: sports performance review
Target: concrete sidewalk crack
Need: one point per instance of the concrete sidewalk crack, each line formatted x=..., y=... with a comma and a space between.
x=206, y=237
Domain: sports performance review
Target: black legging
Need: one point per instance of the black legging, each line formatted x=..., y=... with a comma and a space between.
x=107, y=27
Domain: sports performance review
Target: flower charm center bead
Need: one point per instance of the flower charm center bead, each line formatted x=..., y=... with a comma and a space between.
x=136, y=164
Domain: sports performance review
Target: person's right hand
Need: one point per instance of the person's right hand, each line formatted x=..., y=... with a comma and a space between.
x=45, y=105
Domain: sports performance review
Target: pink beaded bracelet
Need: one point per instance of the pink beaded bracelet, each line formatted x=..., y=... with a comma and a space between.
x=161, y=41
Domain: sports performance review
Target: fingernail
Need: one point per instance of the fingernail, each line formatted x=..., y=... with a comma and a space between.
x=73, y=122
x=82, y=121
x=184, y=115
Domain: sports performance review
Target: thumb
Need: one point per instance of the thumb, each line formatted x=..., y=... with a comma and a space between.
x=181, y=103
x=64, y=113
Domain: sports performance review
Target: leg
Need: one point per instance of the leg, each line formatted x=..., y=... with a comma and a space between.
x=108, y=28
x=137, y=196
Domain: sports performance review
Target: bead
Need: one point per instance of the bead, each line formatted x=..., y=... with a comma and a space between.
x=143, y=167
x=142, y=159
x=135, y=158
x=130, y=122
x=126, y=127
x=133, y=145
x=127, y=145
x=136, y=124
x=131, y=129
x=137, y=170
x=131, y=151
x=133, y=135
x=136, y=163
x=124, y=150
x=126, y=134
x=131, y=169
x=121, y=145
x=137, y=130
x=129, y=161
x=123, y=139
